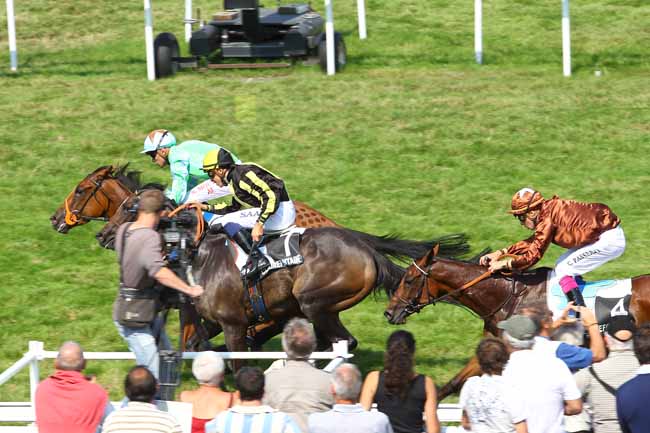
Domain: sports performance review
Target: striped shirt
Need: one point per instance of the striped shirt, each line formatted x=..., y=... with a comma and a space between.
x=252, y=419
x=139, y=417
x=619, y=367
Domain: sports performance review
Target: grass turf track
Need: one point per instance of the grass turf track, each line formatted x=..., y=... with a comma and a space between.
x=412, y=138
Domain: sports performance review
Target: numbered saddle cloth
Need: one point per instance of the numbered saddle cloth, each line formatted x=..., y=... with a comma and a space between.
x=606, y=298
x=281, y=251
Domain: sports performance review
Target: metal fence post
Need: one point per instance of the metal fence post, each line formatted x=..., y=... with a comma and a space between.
x=36, y=349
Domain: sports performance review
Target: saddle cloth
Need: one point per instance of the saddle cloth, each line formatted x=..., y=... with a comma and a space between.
x=606, y=298
x=281, y=252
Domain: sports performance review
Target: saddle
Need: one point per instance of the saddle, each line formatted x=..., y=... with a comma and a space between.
x=274, y=251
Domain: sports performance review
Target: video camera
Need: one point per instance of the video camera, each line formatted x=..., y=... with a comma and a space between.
x=179, y=248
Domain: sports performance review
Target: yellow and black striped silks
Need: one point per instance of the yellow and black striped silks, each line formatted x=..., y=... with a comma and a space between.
x=253, y=186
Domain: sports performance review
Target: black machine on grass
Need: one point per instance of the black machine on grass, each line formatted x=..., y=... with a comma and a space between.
x=245, y=30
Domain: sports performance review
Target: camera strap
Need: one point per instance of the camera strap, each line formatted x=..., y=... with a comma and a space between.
x=123, y=247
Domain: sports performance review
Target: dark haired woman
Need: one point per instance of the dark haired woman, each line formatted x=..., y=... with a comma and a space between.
x=401, y=393
x=489, y=404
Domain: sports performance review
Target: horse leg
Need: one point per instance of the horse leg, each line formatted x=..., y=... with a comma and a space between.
x=235, y=336
x=640, y=299
x=329, y=330
x=454, y=385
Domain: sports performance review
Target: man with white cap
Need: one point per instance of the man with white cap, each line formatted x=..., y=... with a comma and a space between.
x=189, y=182
x=545, y=382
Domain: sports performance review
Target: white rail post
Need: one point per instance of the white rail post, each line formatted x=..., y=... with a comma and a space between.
x=361, y=12
x=188, y=20
x=566, y=39
x=36, y=349
x=329, y=35
x=478, y=31
x=340, y=349
x=11, y=30
x=148, y=40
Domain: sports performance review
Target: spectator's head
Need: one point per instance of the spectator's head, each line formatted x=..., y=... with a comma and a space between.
x=399, y=364
x=492, y=355
x=346, y=383
x=250, y=383
x=140, y=385
x=70, y=357
x=519, y=331
x=541, y=316
x=642, y=344
x=620, y=330
x=298, y=339
x=208, y=368
x=151, y=201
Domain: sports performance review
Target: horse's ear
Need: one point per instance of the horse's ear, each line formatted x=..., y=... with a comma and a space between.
x=435, y=250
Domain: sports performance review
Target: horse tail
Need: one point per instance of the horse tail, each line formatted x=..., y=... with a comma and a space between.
x=400, y=249
x=389, y=274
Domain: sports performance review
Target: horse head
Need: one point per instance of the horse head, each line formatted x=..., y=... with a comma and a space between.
x=418, y=288
x=96, y=197
x=126, y=212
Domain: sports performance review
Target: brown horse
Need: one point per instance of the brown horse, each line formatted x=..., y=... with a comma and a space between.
x=100, y=194
x=432, y=279
x=341, y=267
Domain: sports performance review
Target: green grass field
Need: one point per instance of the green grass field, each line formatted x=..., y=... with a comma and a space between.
x=413, y=138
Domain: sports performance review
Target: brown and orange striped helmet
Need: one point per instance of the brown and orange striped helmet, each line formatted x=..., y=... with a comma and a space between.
x=524, y=200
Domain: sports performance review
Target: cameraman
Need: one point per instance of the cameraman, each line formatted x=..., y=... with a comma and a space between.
x=135, y=311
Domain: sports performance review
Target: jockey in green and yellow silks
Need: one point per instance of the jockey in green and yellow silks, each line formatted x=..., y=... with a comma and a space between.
x=189, y=181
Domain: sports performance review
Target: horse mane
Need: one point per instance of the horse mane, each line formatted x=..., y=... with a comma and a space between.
x=130, y=179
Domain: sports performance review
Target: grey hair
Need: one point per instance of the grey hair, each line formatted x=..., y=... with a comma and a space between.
x=572, y=334
x=208, y=368
x=516, y=343
x=70, y=357
x=298, y=339
x=614, y=344
x=346, y=380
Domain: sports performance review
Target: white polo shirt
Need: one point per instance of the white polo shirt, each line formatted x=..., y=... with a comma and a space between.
x=545, y=383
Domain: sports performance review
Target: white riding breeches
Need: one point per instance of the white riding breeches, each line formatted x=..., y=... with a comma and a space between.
x=579, y=261
x=205, y=191
x=283, y=218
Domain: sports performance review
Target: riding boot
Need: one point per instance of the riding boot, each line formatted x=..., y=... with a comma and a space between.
x=244, y=240
x=255, y=264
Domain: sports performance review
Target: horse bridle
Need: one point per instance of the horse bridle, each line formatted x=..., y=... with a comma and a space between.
x=414, y=306
x=72, y=217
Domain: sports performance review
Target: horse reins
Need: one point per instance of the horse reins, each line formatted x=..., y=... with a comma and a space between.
x=72, y=217
x=455, y=292
x=200, y=223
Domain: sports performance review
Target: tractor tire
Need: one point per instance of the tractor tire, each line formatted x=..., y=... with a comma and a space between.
x=165, y=48
x=340, y=53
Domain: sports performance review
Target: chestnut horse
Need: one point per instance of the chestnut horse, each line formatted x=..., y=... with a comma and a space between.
x=99, y=195
x=432, y=279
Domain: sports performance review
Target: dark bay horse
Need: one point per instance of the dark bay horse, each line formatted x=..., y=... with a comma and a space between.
x=101, y=193
x=341, y=267
x=432, y=279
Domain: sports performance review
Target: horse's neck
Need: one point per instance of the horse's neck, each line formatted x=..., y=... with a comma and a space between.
x=117, y=195
x=483, y=297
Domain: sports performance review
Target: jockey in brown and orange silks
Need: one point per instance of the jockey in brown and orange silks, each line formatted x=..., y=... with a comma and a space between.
x=591, y=232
